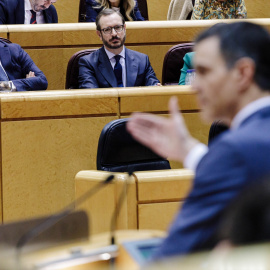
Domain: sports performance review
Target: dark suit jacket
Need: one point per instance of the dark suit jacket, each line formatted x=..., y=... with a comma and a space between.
x=95, y=70
x=235, y=159
x=92, y=12
x=17, y=63
x=12, y=12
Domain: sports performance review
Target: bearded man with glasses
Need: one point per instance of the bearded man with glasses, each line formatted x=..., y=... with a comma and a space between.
x=27, y=12
x=114, y=65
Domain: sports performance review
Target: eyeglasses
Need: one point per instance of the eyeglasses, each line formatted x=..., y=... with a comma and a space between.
x=108, y=30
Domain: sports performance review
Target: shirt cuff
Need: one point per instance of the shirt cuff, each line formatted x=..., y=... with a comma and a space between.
x=13, y=87
x=195, y=155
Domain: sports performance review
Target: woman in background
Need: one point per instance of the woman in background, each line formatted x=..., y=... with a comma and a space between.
x=128, y=8
x=219, y=9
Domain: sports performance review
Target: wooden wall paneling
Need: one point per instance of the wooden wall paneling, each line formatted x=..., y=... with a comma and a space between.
x=155, y=99
x=3, y=31
x=40, y=160
x=172, y=185
x=59, y=103
x=52, y=67
x=162, y=214
x=157, y=10
x=101, y=206
x=67, y=11
x=258, y=8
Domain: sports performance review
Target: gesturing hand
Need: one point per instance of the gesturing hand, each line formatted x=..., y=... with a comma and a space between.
x=168, y=137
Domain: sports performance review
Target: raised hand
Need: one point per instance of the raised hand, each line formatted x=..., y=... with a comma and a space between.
x=168, y=137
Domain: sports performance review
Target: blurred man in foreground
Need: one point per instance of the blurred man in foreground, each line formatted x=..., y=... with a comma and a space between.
x=232, y=64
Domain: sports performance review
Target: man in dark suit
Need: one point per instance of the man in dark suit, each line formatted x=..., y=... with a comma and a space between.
x=113, y=65
x=232, y=82
x=18, y=72
x=27, y=12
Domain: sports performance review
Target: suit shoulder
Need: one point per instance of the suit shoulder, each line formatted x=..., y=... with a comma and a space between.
x=91, y=56
x=136, y=54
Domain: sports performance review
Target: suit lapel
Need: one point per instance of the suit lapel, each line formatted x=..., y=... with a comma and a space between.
x=105, y=68
x=132, y=66
x=5, y=58
x=19, y=18
x=47, y=16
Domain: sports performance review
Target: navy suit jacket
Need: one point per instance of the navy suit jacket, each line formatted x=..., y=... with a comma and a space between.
x=12, y=12
x=17, y=63
x=95, y=70
x=92, y=12
x=235, y=159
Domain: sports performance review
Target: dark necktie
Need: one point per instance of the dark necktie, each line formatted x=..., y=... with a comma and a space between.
x=3, y=76
x=33, y=19
x=118, y=71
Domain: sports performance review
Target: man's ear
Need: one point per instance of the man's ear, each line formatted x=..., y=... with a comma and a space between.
x=99, y=34
x=245, y=72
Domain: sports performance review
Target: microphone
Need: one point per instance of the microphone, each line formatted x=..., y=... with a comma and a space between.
x=53, y=219
x=118, y=208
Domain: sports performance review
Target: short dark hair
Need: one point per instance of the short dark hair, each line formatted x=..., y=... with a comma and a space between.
x=107, y=12
x=243, y=39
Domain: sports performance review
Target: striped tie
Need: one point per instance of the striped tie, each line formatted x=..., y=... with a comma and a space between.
x=33, y=19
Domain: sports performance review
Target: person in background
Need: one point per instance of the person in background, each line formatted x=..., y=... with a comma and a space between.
x=18, y=72
x=219, y=9
x=128, y=8
x=180, y=10
x=232, y=63
x=27, y=12
x=113, y=65
x=188, y=58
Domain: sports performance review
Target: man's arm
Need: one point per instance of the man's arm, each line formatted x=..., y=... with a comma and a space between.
x=26, y=64
x=87, y=75
x=220, y=176
x=150, y=76
x=91, y=12
x=3, y=12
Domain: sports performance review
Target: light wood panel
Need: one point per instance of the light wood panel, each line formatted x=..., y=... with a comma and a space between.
x=157, y=10
x=162, y=215
x=48, y=136
x=258, y=8
x=152, y=199
x=101, y=206
x=59, y=103
x=40, y=159
x=157, y=188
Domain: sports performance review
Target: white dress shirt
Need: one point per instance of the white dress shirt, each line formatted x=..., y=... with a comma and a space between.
x=197, y=153
x=28, y=14
x=122, y=62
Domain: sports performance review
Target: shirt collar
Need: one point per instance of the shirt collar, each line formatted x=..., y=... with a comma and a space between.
x=248, y=110
x=111, y=55
x=27, y=5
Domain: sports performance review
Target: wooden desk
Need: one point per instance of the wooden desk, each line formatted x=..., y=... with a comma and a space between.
x=152, y=199
x=51, y=46
x=47, y=137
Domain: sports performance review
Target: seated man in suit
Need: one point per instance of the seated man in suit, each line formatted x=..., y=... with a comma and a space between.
x=18, y=72
x=27, y=11
x=113, y=65
x=232, y=63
